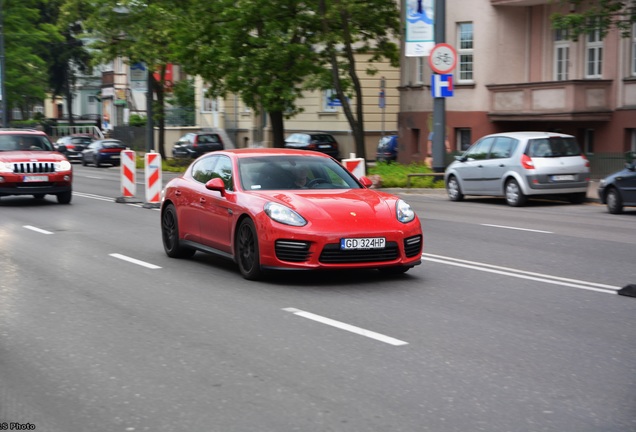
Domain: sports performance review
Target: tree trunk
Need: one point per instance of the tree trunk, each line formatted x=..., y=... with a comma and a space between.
x=278, y=128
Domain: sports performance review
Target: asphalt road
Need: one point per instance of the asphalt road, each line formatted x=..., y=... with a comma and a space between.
x=512, y=323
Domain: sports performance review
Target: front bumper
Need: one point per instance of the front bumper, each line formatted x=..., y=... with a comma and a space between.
x=17, y=184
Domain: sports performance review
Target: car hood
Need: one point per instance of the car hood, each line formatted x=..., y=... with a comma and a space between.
x=31, y=156
x=622, y=173
x=350, y=204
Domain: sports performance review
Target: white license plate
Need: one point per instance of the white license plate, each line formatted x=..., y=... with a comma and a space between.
x=563, y=177
x=36, y=178
x=115, y=157
x=324, y=146
x=362, y=243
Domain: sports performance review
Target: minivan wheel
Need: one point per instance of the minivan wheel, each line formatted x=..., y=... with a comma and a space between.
x=514, y=196
x=614, y=201
x=453, y=190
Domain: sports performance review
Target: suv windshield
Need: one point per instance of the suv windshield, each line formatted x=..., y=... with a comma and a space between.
x=553, y=147
x=16, y=142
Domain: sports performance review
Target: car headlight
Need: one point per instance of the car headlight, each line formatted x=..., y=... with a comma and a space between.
x=284, y=215
x=5, y=167
x=404, y=212
x=63, y=166
x=602, y=183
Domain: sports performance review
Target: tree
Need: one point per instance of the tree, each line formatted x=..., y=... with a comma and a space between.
x=592, y=15
x=348, y=28
x=258, y=49
x=25, y=70
x=141, y=32
x=65, y=57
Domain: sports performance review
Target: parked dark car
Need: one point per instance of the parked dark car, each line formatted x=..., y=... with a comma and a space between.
x=316, y=141
x=619, y=189
x=194, y=144
x=72, y=146
x=105, y=151
x=387, y=149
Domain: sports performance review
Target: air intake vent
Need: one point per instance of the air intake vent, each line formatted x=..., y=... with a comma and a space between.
x=291, y=250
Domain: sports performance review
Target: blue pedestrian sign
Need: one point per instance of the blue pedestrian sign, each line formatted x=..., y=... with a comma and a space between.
x=442, y=85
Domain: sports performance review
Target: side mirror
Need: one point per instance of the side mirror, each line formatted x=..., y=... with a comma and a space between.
x=216, y=184
x=366, y=182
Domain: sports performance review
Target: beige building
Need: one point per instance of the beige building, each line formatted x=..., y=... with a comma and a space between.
x=515, y=72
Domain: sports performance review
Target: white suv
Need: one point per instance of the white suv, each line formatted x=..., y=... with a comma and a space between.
x=516, y=165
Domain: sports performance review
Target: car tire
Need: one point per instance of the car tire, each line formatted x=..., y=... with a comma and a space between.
x=578, y=198
x=247, y=252
x=97, y=164
x=614, y=201
x=453, y=189
x=170, y=235
x=514, y=196
x=84, y=163
x=65, y=197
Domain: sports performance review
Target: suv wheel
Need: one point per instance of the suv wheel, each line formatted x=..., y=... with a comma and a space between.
x=514, y=196
x=65, y=197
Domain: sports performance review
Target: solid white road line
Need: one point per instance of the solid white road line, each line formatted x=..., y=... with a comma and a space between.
x=134, y=261
x=32, y=228
x=518, y=229
x=347, y=327
x=507, y=271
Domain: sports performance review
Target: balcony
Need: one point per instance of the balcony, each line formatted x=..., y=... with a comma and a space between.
x=576, y=100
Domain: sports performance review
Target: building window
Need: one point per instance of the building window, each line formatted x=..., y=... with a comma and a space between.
x=209, y=104
x=561, y=55
x=588, y=141
x=465, y=51
x=594, y=55
x=330, y=101
x=464, y=139
x=419, y=70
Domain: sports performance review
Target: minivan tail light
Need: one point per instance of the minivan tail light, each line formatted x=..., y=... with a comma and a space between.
x=587, y=161
x=527, y=162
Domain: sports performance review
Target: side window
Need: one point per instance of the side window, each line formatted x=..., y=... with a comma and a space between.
x=223, y=170
x=479, y=151
x=203, y=170
x=502, y=148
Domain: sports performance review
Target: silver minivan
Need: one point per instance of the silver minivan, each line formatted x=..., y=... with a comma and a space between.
x=517, y=165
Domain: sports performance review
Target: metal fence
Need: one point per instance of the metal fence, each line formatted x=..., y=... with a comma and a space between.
x=603, y=164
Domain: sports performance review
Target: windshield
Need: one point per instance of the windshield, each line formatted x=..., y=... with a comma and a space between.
x=294, y=172
x=16, y=142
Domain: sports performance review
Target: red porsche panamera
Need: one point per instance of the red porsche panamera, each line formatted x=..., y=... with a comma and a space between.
x=275, y=209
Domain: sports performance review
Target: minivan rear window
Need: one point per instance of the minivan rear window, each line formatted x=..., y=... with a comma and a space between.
x=553, y=147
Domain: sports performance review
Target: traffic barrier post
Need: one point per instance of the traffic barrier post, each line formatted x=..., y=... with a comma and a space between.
x=152, y=169
x=128, y=170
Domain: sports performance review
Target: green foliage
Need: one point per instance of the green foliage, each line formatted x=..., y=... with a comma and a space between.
x=137, y=120
x=595, y=15
x=394, y=175
x=183, y=94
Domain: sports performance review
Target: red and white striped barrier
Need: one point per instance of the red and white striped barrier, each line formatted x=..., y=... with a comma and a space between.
x=152, y=168
x=356, y=166
x=128, y=169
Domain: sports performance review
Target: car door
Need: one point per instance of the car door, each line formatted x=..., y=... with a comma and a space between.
x=627, y=184
x=192, y=198
x=497, y=163
x=471, y=170
x=215, y=212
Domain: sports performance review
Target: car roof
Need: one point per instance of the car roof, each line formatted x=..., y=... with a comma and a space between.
x=10, y=131
x=531, y=134
x=251, y=152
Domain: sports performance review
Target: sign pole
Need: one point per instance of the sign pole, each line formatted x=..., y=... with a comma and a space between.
x=439, y=103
